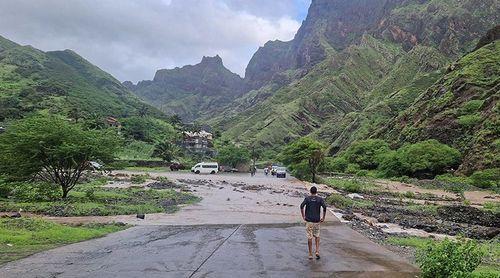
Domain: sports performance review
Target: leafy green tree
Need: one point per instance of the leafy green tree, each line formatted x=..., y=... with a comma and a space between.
x=94, y=121
x=232, y=155
x=422, y=159
x=366, y=153
x=166, y=150
x=303, y=157
x=175, y=120
x=53, y=150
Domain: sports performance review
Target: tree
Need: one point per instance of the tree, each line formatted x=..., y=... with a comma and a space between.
x=424, y=159
x=166, y=150
x=303, y=157
x=175, y=120
x=53, y=150
x=230, y=154
x=143, y=111
x=366, y=153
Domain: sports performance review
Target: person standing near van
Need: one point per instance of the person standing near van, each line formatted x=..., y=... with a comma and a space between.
x=312, y=216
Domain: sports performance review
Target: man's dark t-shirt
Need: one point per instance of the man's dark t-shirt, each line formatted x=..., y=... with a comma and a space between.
x=313, y=204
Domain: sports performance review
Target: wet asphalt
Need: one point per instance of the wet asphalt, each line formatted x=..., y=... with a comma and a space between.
x=243, y=249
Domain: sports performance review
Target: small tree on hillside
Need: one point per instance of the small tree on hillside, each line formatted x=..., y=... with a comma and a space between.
x=303, y=157
x=51, y=149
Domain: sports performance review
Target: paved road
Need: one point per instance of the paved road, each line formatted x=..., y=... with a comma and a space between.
x=219, y=250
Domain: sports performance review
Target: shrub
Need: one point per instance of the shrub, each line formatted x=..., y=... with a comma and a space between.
x=471, y=106
x=469, y=120
x=90, y=193
x=409, y=194
x=423, y=159
x=41, y=191
x=450, y=258
x=5, y=188
x=353, y=186
x=489, y=178
x=334, y=164
x=138, y=179
x=366, y=153
x=352, y=168
x=339, y=201
x=362, y=173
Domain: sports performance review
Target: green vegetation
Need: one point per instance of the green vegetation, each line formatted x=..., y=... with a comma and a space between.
x=231, y=155
x=462, y=258
x=341, y=202
x=489, y=178
x=492, y=206
x=147, y=129
x=366, y=153
x=423, y=159
x=92, y=199
x=352, y=186
x=60, y=82
x=303, y=157
x=139, y=179
x=22, y=237
x=137, y=150
x=166, y=150
x=53, y=150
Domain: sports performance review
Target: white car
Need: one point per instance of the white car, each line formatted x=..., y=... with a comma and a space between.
x=281, y=172
x=206, y=168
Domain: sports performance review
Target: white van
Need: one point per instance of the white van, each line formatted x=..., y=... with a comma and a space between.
x=206, y=168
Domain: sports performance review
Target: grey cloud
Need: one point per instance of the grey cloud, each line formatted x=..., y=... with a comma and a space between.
x=131, y=39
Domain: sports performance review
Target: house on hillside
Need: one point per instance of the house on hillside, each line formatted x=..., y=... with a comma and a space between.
x=198, y=142
x=113, y=122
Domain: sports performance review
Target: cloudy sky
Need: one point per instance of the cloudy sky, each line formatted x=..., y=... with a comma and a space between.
x=131, y=39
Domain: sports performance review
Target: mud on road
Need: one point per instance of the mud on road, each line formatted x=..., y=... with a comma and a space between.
x=226, y=199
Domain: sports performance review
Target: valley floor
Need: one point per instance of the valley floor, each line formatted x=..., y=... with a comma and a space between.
x=244, y=226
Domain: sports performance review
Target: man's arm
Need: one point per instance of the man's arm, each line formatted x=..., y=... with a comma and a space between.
x=302, y=209
x=324, y=210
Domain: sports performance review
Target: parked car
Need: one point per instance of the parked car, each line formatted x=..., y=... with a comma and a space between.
x=175, y=166
x=228, y=169
x=281, y=172
x=206, y=168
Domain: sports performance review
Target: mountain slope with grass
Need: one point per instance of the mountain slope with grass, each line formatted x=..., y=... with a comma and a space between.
x=60, y=82
x=461, y=109
x=352, y=68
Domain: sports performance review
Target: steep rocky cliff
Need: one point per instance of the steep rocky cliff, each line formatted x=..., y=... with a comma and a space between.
x=191, y=91
x=354, y=67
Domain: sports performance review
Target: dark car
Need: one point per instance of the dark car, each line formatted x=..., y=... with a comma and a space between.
x=177, y=166
x=228, y=169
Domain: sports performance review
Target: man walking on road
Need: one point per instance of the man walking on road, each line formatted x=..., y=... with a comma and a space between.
x=313, y=204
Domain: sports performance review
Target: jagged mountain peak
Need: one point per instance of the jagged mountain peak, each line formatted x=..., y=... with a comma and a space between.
x=215, y=60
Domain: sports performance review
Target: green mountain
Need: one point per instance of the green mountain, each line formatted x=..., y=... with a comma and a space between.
x=461, y=109
x=60, y=82
x=193, y=91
